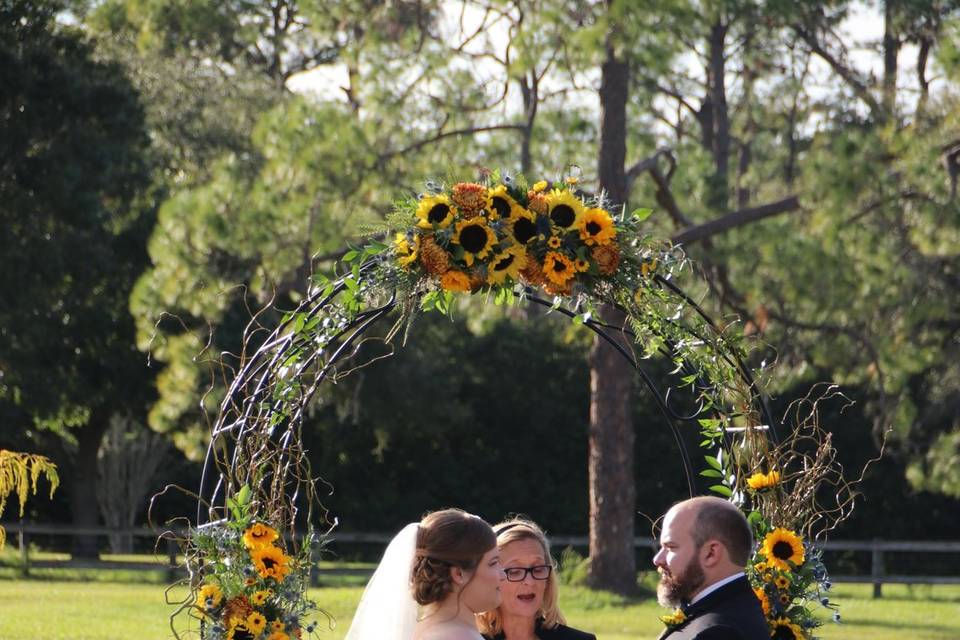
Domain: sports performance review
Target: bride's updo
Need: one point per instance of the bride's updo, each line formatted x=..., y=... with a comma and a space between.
x=445, y=539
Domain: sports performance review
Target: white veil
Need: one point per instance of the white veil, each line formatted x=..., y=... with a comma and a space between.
x=387, y=610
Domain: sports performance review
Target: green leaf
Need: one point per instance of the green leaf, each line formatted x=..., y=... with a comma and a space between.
x=642, y=214
x=243, y=497
x=713, y=462
x=711, y=473
x=722, y=490
x=350, y=256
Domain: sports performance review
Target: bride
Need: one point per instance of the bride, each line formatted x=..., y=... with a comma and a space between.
x=449, y=565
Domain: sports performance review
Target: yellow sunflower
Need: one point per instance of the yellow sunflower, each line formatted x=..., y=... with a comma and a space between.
x=249, y=582
x=406, y=250
x=454, y=280
x=782, y=582
x=435, y=210
x=502, y=204
x=271, y=562
x=596, y=227
x=277, y=625
x=565, y=209
x=558, y=268
x=760, y=481
x=261, y=596
x=256, y=623
x=782, y=548
x=764, y=600
x=209, y=597
x=581, y=265
x=475, y=237
x=553, y=242
x=259, y=535
x=278, y=635
x=240, y=632
x=783, y=629
x=524, y=227
x=507, y=264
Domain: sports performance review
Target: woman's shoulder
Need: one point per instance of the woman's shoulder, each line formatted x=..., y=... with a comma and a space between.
x=563, y=632
x=448, y=632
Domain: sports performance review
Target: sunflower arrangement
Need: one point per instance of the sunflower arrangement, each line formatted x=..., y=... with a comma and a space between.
x=250, y=588
x=500, y=232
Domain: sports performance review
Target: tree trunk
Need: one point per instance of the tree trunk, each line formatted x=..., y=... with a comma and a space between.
x=83, y=486
x=891, y=51
x=612, y=490
x=718, y=196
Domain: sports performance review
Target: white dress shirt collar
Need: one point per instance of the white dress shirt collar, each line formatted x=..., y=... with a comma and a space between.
x=716, y=585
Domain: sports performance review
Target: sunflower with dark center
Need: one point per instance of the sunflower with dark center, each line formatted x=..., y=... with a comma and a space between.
x=507, y=264
x=558, y=268
x=524, y=229
x=502, y=204
x=596, y=227
x=784, y=629
x=565, y=209
x=782, y=548
x=476, y=239
x=240, y=632
x=435, y=211
x=270, y=562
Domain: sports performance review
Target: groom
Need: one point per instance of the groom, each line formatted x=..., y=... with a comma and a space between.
x=704, y=547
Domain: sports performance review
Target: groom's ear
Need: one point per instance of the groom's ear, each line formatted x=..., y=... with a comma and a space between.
x=711, y=553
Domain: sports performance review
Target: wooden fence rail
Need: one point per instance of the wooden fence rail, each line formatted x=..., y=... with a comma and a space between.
x=168, y=551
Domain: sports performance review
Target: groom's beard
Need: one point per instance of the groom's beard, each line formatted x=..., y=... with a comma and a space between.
x=674, y=589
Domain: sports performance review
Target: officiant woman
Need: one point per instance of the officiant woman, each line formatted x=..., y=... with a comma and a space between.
x=529, y=608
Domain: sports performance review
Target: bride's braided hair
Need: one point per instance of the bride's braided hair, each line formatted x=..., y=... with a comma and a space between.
x=446, y=539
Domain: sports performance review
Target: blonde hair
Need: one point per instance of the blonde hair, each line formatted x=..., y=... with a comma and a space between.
x=490, y=623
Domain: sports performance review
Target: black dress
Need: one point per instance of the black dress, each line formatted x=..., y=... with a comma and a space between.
x=559, y=632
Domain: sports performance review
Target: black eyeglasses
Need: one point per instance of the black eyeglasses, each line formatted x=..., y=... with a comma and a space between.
x=517, y=574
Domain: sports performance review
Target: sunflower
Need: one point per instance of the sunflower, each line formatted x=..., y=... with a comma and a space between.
x=564, y=208
x=558, y=268
x=782, y=548
x=607, y=258
x=523, y=228
x=256, y=623
x=782, y=582
x=760, y=481
x=209, y=597
x=277, y=625
x=454, y=280
x=784, y=629
x=764, y=600
x=406, y=250
x=470, y=198
x=596, y=227
x=553, y=242
x=784, y=599
x=278, y=635
x=249, y=582
x=475, y=237
x=240, y=632
x=507, y=264
x=435, y=210
x=271, y=562
x=259, y=535
x=502, y=204
x=581, y=265
x=261, y=596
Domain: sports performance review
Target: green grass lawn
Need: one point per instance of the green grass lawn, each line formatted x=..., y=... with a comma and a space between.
x=73, y=610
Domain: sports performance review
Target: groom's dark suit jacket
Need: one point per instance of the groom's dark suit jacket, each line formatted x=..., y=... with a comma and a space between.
x=732, y=612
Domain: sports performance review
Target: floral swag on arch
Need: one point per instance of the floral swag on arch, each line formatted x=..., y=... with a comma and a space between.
x=506, y=240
